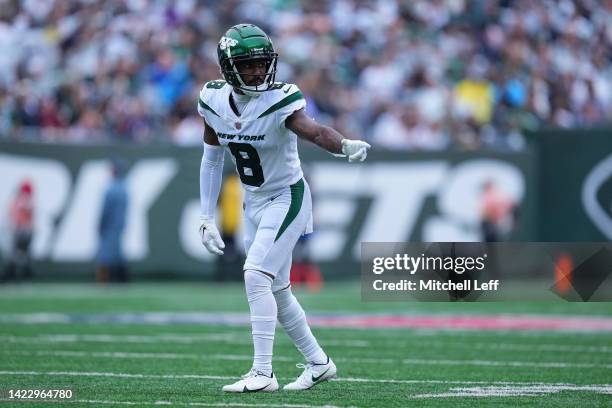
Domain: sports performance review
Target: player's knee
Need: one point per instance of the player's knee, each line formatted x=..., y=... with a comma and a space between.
x=283, y=297
x=289, y=310
x=257, y=284
x=257, y=279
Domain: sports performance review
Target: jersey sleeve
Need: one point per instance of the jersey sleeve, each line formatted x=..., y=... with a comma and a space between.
x=293, y=101
x=205, y=99
x=202, y=99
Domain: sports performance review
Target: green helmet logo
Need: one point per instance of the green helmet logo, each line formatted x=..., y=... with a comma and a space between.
x=243, y=44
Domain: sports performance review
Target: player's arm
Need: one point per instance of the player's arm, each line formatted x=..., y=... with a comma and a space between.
x=211, y=174
x=326, y=137
x=210, y=137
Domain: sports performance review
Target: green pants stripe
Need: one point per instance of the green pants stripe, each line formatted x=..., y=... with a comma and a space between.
x=297, y=195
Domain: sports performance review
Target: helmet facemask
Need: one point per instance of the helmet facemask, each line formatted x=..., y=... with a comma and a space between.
x=231, y=72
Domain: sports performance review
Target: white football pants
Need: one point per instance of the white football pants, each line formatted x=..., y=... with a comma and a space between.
x=273, y=224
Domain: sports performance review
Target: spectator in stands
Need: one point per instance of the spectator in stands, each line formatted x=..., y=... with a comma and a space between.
x=112, y=266
x=478, y=72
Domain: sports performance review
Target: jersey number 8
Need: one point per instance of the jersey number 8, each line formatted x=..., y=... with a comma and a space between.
x=247, y=161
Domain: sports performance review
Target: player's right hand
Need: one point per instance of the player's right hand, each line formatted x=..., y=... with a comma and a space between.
x=211, y=238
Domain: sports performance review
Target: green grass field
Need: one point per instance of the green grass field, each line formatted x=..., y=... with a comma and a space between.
x=56, y=336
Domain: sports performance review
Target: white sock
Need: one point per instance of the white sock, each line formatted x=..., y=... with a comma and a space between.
x=293, y=319
x=263, y=318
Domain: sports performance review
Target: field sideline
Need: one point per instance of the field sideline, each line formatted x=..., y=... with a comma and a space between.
x=177, y=344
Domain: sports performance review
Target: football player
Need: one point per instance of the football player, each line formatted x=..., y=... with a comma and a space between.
x=258, y=121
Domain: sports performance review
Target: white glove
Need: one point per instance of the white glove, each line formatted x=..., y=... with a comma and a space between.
x=211, y=238
x=355, y=150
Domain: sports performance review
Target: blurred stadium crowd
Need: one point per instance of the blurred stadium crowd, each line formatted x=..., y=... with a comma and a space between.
x=400, y=74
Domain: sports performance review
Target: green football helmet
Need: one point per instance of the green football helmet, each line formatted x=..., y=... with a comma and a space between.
x=246, y=42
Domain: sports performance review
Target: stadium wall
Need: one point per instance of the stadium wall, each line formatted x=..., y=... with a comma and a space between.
x=575, y=169
x=393, y=196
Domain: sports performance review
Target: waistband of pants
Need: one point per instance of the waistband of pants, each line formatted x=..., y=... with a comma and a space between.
x=264, y=195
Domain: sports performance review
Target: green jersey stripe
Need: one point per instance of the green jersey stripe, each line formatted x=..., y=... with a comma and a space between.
x=297, y=195
x=205, y=106
x=282, y=103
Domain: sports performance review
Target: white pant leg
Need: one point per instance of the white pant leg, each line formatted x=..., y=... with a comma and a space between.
x=262, y=305
x=272, y=227
x=283, y=279
x=293, y=319
x=280, y=222
x=249, y=229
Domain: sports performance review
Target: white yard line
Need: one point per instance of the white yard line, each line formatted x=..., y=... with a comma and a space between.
x=137, y=355
x=220, y=377
x=162, y=338
x=179, y=404
x=237, y=338
x=515, y=391
x=36, y=318
x=239, y=404
x=120, y=375
x=466, y=382
x=476, y=333
x=245, y=357
x=501, y=363
x=539, y=347
x=475, y=343
x=365, y=321
x=110, y=338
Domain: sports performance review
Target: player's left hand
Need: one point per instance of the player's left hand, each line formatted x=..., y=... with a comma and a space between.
x=211, y=238
x=355, y=150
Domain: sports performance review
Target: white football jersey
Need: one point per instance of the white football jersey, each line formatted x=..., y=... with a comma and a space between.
x=263, y=149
